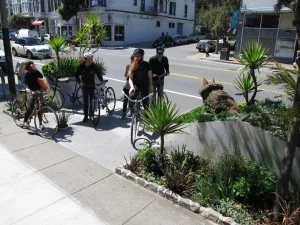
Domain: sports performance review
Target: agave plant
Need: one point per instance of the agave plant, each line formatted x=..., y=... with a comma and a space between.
x=245, y=85
x=286, y=78
x=57, y=44
x=163, y=118
x=253, y=57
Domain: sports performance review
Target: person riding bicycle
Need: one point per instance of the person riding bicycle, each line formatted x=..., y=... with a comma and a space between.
x=33, y=88
x=85, y=76
x=126, y=88
x=140, y=79
x=160, y=68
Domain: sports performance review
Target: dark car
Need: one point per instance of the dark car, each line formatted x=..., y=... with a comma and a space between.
x=166, y=41
x=203, y=43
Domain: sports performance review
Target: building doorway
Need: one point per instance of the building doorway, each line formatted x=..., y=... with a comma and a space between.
x=180, y=28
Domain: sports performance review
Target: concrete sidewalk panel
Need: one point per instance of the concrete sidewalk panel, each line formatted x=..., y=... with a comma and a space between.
x=115, y=199
x=11, y=168
x=4, y=117
x=9, y=127
x=63, y=212
x=24, y=196
x=75, y=174
x=45, y=155
x=21, y=140
x=164, y=212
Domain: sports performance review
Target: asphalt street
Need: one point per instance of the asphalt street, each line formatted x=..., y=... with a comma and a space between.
x=188, y=67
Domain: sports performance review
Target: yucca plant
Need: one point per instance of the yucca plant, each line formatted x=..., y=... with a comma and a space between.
x=245, y=85
x=253, y=57
x=57, y=44
x=163, y=118
x=287, y=78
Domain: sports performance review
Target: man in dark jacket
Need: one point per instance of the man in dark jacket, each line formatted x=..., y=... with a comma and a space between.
x=85, y=76
x=160, y=68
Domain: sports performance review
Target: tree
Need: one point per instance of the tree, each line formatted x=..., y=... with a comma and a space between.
x=18, y=21
x=70, y=8
x=206, y=3
x=290, y=149
x=217, y=19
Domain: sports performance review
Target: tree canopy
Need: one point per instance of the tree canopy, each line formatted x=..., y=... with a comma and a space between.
x=230, y=3
x=69, y=8
x=18, y=21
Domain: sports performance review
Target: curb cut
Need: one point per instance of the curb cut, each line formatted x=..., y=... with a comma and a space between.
x=186, y=203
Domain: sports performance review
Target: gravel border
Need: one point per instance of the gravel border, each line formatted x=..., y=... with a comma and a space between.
x=186, y=203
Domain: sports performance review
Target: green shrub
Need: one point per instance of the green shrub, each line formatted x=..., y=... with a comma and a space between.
x=205, y=189
x=133, y=164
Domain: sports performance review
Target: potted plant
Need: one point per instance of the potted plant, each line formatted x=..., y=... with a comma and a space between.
x=63, y=118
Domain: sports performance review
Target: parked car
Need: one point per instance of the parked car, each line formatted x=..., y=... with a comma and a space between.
x=181, y=39
x=2, y=61
x=202, y=44
x=196, y=36
x=45, y=38
x=166, y=41
x=25, y=33
x=31, y=47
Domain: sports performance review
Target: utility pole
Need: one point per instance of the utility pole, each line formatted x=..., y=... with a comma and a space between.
x=7, y=51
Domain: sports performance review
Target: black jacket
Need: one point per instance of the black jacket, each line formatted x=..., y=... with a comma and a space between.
x=159, y=67
x=87, y=74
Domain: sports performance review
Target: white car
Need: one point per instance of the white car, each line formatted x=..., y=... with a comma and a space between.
x=195, y=37
x=2, y=61
x=181, y=39
x=45, y=38
x=31, y=47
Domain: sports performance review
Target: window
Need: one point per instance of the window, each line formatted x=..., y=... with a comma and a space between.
x=185, y=10
x=119, y=33
x=270, y=21
x=171, y=25
x=158, y=23
x=135, y=2
x=142, y=5
x=108, y=32
x=172, y=10
x=252, y=20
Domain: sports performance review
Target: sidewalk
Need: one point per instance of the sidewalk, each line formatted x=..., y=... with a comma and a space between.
x=43, y=182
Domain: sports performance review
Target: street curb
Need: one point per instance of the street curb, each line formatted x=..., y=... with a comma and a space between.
x=186, y=203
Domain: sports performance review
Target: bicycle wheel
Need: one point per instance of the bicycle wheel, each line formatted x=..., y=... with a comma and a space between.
x=110, y=100
x=46, y=122
x=141, y=143
x=165, y=97
x=55, y=99
x=18, y=110
x=135, y=128
x=79, y=96
x=94, y=113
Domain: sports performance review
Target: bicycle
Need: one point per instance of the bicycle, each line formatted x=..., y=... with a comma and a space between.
x=160, y=92
x=41, y=114
x=136, y=121
x=104, y=97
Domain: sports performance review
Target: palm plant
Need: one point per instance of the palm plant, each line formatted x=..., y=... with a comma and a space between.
x=57, y=44
x=253, y=57
x=286, y=78
x=82, y=40
x=163, y=118
x=245, y=85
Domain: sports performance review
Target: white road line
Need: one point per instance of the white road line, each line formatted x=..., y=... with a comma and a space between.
x=173, y=92
x=168, y=91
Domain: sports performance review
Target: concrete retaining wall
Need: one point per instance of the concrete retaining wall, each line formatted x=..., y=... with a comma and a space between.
x=235, y=137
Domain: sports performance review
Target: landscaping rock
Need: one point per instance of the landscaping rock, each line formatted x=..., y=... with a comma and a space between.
x=184, y=202
x=210, y=214
x=141, y=181
x=162, y=191
x=226, y=221
x=125, y=173
x=195, y=207
x=132, y=177
x=118, y=170
x=152, y=186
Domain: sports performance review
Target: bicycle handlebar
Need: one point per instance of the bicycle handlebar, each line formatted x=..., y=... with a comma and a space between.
x=160, y=76
x=136, y=100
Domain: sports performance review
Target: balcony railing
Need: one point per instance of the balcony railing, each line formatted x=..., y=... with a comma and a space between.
x=150, y=10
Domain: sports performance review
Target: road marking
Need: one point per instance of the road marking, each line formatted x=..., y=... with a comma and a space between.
x=210, y=68
x=168, y=91
x=222, y=82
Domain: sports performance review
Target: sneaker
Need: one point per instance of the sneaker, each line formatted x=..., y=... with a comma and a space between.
x=85, y=119
x=25, y=125
x=130, y=112
x=42, y=127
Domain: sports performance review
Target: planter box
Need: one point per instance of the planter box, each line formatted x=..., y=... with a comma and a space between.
x=235, y=137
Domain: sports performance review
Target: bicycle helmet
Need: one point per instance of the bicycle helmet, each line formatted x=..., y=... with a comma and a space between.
x=138, y=51
x=160, y=49
x=88, y=55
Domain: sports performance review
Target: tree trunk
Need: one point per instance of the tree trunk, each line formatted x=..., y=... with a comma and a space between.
x=162, y=144
x=252, y=73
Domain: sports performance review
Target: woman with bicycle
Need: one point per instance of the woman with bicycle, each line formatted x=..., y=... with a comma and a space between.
x=140, y=79
x=160, y=68
x=32, y=76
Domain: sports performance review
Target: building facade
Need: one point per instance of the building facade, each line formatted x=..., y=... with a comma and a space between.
x=259, y=22
x=127, y=21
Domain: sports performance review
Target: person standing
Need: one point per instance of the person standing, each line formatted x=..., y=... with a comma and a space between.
x=140, y=79
x=126, y=88
x=85, y=76
x=160, y=68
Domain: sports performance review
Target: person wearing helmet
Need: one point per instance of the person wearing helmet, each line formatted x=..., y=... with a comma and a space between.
x=85, y=76
x=160, y=68
x=126, y=88
x=140, y=78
